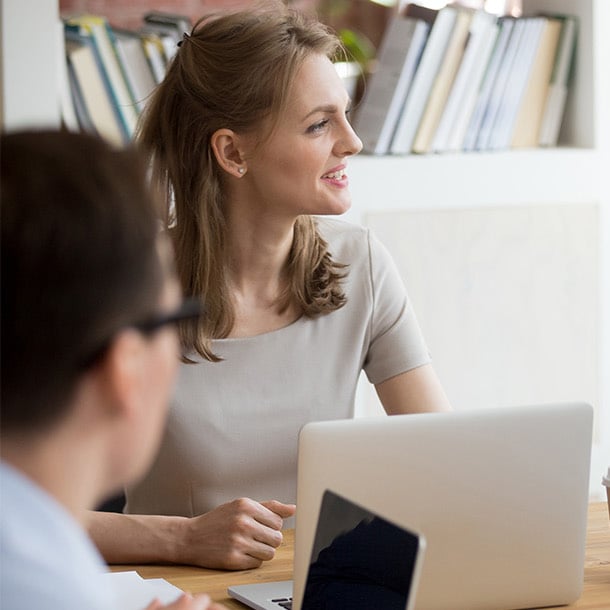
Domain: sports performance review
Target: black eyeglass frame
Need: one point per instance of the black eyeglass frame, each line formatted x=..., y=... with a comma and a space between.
x=189, y=309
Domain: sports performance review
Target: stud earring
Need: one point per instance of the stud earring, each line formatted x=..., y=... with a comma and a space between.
x=241, y=170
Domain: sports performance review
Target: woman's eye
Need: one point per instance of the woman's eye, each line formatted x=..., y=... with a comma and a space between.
x=317, y=127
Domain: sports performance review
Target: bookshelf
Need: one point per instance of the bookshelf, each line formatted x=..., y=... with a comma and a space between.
x=556, y=193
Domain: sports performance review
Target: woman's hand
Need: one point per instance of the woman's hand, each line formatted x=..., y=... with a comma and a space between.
x=238, y=535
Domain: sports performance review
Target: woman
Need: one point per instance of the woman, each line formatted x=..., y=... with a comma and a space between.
x=249, y=139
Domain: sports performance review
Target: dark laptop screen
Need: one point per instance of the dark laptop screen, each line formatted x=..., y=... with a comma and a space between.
x=359, y=560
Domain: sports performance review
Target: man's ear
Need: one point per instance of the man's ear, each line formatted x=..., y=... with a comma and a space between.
x=225, y=144
x=121, y=371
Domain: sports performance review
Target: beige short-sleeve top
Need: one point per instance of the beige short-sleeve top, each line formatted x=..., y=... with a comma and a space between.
x=233, y=425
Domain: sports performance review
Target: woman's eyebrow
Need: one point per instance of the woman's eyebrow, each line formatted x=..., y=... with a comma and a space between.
x=327, y=108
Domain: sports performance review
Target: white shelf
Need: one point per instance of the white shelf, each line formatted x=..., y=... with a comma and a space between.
x=563, y=175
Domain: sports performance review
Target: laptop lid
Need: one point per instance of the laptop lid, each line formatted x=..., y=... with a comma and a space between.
x=358, y=560
x=500, y=496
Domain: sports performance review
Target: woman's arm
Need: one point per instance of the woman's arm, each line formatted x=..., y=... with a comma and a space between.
x=238, y=535
x=416, y=391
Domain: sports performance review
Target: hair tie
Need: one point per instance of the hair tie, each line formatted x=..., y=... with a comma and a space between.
x=185, y=36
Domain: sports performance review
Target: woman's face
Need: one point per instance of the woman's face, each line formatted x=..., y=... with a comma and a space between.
x=301, y=168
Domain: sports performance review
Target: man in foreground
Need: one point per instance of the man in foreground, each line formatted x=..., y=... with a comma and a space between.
x=89, y=354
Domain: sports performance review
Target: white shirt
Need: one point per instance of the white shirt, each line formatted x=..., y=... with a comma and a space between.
x=233, y=425
x=47, y=561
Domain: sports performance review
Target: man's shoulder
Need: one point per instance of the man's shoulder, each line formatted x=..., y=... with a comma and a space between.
x=36, y=576
x=45, y=554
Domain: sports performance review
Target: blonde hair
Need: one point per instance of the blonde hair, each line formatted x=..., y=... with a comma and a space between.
x=233, y=71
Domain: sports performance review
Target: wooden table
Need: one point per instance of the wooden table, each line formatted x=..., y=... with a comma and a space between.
x=596, y=593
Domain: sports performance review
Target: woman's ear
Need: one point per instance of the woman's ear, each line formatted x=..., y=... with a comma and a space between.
x=226, y=146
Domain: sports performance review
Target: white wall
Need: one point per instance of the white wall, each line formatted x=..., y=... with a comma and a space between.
x=30, y=46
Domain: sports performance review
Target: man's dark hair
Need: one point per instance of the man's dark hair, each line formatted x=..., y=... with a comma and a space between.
x=79, y=262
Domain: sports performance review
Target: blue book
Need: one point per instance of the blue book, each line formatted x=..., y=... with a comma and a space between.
x=102, y=35
x=91, y=86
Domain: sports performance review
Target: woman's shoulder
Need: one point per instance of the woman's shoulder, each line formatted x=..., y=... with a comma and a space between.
x=353, y=244
x=348, y=243
x=333, y=224
x=339, y=232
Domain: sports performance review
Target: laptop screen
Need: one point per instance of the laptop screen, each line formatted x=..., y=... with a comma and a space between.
x=360, y=560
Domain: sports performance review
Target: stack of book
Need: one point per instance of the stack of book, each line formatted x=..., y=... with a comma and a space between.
x=460, y=79
x=109, y=73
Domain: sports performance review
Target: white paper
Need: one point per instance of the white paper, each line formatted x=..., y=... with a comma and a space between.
x=132, y=592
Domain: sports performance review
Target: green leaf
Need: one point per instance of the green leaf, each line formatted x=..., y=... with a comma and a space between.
x=357, y=45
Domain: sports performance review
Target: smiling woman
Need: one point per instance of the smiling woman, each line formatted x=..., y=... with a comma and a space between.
x=249, y=136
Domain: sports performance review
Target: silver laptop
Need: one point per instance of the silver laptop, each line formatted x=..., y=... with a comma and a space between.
x=359, y=560
x=500, y=496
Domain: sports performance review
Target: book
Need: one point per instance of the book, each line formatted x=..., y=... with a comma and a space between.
x=77, y=33
x=167, y=41
x=85, y=123
x=138, y=71
x=462, y=97
x=100, y=31
x=517, y=81
x=84, y=69
x=496, y=96
x=170, y=27
x=383, y=99
x=69, y=118
x=161, y=32
x=429, y=64
x=176, y=23
x=155, y=55
x=483, y=96
x=560, y=80
x=443, y=82
x=529, y=118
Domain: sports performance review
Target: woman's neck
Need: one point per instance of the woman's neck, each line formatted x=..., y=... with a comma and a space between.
x=258, y=256
x=258, y=251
